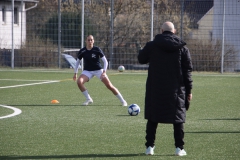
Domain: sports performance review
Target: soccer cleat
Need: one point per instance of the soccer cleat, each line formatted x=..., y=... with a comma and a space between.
x=150, y=150
x=180, y=152
x=124, y=103
x=87, y=102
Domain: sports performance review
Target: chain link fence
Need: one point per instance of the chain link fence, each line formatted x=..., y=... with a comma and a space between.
x=210, y=28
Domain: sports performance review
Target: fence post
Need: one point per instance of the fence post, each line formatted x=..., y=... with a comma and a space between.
x=182, y=11
x=223, y=32
x=59, y=33
x=152, y=14
x=82, y=37
x=111, y=34
x=12, y=55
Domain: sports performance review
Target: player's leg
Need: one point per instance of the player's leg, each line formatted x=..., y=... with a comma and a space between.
x=151, y=128
x=179, y=139
x=110, y=86
x=114, y=90
x=83, y=78
x=80, y=82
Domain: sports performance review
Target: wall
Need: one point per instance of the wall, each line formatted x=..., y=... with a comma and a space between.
x=232, y=23
x=6, y=27
x=205, y=25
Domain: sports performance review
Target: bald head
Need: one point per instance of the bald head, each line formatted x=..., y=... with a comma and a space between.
x=168, y=26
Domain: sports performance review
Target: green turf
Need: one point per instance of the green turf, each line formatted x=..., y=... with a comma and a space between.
x=104, y=130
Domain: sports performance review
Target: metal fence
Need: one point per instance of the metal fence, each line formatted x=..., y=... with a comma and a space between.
x=36, y=33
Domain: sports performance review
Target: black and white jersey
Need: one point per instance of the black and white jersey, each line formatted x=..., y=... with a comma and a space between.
x=91, y=58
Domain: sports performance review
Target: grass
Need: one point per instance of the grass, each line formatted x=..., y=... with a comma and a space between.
x=104, y=130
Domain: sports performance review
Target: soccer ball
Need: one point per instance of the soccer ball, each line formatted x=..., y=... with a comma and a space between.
x=121, y=68
x=133, y=110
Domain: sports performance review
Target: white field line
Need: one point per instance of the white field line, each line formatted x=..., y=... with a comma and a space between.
x=38, y=70
x=23, y=80
x=30, y=84
x=16, y=111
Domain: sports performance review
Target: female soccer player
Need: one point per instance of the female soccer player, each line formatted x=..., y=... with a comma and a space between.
x=92, y=67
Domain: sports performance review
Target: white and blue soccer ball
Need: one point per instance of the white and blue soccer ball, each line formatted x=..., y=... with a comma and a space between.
x=121, y=68
x=133, y=110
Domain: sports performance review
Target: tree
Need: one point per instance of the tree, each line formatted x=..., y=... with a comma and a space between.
x=166, y=10
x=206, y=55
x=71, y=29
x=132, y=19
x=37, y=17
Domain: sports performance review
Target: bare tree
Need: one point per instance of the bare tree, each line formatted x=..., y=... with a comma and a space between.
x=38, y=16
x=37, y=53
x=171, y=11
x=132, y=19
x=206, y=55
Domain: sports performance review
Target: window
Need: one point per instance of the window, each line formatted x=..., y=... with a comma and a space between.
x=211, y=35
x=15, y=15
x=3, y=15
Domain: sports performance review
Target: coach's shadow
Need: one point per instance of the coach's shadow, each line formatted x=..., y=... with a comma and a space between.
x=77, y=156
x=213, y=132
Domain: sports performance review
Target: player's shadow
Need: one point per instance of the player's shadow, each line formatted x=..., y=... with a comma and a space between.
x=125, y=115
x=40, y=105
x=77, y=156
x=60, y=105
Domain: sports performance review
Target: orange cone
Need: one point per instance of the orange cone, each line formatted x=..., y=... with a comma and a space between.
x=54, y=101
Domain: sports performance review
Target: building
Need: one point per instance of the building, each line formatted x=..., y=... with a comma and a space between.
x=231, y=22
x=19, y=22
x=205, y=27
x=214, y=24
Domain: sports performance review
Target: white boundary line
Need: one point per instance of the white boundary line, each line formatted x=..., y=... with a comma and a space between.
x=23, y=80
x=30, y=84
x=16, y=111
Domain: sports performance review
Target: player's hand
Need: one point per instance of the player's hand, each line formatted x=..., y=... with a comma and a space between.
x=190, y=97
x=103, y=75
x=187, y=101
x=75, y=77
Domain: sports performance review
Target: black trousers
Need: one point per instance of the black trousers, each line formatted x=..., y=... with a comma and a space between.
x=178, y=133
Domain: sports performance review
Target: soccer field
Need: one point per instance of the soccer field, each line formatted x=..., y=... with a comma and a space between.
x=33, y=128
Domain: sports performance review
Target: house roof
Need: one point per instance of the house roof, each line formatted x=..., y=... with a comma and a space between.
x=205, y=15
x=196, y=9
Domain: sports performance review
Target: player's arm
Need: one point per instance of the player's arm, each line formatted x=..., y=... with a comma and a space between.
x=76, y=70
x=187, y=70
x=105, y=65
x=187, y=75
x=143, y=56
x=105, y=62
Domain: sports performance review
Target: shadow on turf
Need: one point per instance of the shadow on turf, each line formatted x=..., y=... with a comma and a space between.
x=125, y=115
x=76, y=156
x=214, y=132
x=228, y=119
x=44, y=105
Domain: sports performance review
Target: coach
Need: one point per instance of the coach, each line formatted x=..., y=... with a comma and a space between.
x=168, y=84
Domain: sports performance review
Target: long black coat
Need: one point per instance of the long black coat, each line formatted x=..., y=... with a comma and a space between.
x=169, y=78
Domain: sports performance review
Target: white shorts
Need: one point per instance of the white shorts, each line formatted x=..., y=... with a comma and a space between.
x=91, y=74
